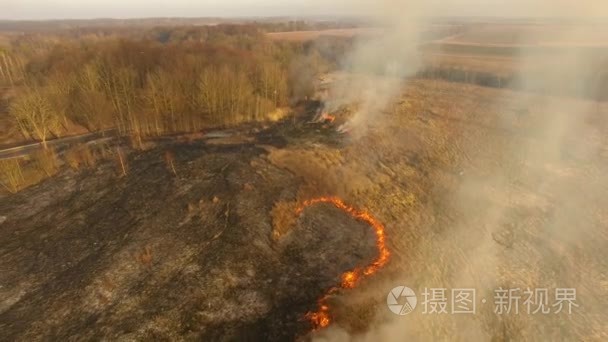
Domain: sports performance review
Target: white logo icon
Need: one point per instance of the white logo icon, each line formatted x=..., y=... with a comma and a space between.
x=407, y=305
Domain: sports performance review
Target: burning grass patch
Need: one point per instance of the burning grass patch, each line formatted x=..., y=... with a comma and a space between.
x=350, y=279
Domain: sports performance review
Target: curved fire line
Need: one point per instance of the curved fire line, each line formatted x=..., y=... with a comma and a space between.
x=322, y=318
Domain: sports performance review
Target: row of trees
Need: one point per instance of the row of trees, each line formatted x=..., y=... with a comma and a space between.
x=146, y=87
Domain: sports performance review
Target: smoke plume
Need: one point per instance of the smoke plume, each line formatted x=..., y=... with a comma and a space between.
x=531, y=217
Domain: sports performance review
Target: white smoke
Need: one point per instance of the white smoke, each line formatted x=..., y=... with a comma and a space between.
x=539, y=223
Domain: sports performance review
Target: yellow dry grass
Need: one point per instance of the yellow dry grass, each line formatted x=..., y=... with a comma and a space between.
x=443, y=169
x=283, y=218
x=46, y=160
x=80, y=156
x=18, y=174
x=11, y=175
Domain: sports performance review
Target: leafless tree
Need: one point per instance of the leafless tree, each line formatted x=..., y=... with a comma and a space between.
x=35, y=115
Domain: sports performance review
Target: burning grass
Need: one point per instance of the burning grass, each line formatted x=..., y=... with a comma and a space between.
x=447, y=178
x=322, y=317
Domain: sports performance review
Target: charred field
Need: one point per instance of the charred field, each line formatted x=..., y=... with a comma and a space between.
x=163, y=253
x=213, y=247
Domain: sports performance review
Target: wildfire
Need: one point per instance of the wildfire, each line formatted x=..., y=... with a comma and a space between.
x=328, y=118
x=322, y=318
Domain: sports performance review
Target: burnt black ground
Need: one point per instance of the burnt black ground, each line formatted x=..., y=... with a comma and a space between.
x=92, y=255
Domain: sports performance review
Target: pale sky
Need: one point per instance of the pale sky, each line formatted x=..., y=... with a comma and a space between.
x=60, y=9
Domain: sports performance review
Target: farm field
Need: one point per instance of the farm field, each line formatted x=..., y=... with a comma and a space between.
x=531, y=34
x=312, y=35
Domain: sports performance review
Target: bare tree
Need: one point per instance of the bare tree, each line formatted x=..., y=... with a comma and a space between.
x=34, y=115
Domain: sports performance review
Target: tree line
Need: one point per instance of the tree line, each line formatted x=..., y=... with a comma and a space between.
x=154, y=84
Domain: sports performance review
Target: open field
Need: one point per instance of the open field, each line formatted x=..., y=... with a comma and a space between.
x=4, y=39
x=432, y=32
x=312, y=35
x=531, y=34
x=493, y=41
x=498, y=54
x=472, y=186
x=505, y=55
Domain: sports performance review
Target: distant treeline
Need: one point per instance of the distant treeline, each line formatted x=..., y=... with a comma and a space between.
x=162, y=81
x=437, y=29
x=592, y=86
x=305, y=25
x=511, y=50
x=267, y=24
x=570, y=69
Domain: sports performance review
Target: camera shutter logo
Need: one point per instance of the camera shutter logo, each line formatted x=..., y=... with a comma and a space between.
x=407, y=303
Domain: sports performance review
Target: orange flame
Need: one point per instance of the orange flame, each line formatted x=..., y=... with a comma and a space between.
x=322, y=318
x=326, y=117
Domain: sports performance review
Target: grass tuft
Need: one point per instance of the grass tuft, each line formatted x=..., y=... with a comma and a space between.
x=283, y=218
x=11, y=175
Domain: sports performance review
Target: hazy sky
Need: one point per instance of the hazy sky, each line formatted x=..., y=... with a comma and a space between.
x=45, y=9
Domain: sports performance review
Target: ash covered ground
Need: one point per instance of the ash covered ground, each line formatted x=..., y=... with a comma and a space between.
x=472, y=189
x=163, y=255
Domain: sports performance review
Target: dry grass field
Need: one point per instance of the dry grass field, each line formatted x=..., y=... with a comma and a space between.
x=500, y=47
x=479, y=188
x=531, y=34
x=312, y=35
x=491, y=49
